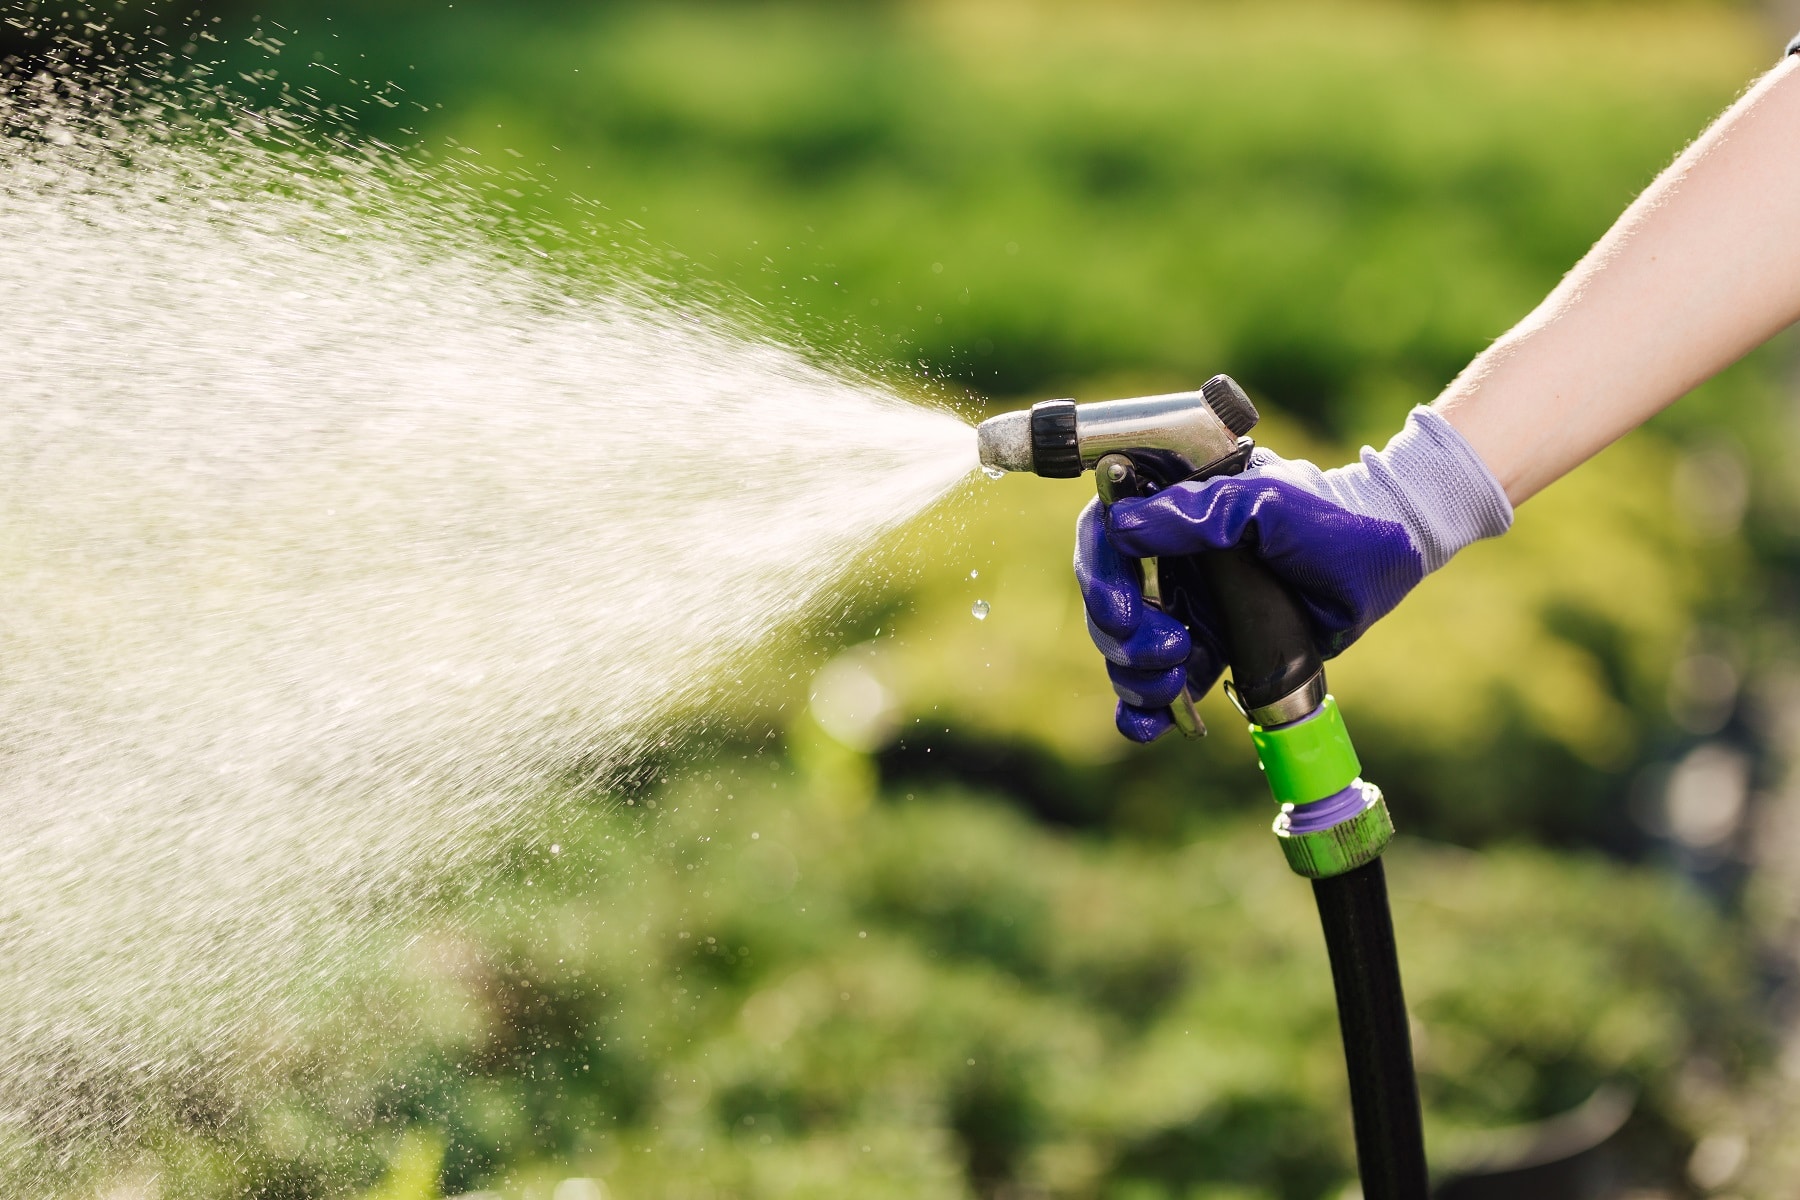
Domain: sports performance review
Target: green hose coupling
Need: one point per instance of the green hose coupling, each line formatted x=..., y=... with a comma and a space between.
x=1309, y=759
x=1331, y=821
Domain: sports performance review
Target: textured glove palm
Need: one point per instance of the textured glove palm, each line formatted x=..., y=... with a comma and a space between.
x=1350, y=542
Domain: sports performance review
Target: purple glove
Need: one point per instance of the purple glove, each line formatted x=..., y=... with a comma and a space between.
x=1350, y=542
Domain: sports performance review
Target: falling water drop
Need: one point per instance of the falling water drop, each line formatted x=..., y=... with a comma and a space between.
x=975, y=574
x=980, y=610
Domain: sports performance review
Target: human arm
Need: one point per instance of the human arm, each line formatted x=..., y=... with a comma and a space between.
x=1702, y=268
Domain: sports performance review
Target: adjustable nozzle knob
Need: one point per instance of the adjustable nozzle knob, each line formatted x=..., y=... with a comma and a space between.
x=1229, y=404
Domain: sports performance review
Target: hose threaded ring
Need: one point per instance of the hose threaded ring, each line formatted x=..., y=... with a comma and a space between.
x=1345, y=846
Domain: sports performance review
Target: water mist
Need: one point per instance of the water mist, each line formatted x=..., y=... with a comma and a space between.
x=329, y=534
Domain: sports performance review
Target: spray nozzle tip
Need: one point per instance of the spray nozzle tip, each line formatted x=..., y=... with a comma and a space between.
x=1005, y=442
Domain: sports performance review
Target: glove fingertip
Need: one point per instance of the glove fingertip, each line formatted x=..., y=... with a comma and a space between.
x=1184, y=519
x=1123, y=517
x=1142, y=725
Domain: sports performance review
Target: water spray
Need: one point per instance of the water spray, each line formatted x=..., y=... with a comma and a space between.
x=339, y=544
x=1332, y=824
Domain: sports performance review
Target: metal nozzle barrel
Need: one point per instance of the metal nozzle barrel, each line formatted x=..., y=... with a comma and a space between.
x=1060, y=439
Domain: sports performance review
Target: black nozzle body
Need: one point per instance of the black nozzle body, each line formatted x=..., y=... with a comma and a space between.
x=1055, y=441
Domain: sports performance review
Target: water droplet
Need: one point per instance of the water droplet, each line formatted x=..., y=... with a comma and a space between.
x=974, y=574
x=993, y=472
x=980, y=609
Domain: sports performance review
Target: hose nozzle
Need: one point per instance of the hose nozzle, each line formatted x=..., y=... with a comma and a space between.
x=1059, y=439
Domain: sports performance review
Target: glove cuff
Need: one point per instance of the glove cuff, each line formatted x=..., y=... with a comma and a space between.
x=1447, y=494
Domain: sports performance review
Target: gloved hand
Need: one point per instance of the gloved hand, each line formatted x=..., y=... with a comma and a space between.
x=1350, y=542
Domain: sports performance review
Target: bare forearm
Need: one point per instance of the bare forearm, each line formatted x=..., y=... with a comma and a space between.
x=1703, y=267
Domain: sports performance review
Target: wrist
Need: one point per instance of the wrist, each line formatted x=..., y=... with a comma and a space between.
x=1435, y=483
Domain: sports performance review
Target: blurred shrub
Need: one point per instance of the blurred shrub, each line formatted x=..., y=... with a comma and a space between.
x=748, y=984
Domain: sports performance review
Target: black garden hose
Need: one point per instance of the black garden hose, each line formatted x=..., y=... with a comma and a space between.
x=1384, y=1094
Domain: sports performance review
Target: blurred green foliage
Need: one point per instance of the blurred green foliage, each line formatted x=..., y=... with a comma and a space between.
x=763, y=980
x=1342, y=201
x=995, y=952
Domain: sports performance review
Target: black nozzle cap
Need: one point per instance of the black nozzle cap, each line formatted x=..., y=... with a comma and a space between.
x=1229, y=404
x=1055, y=446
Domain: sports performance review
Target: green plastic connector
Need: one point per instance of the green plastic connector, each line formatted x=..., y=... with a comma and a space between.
x=1308, y=760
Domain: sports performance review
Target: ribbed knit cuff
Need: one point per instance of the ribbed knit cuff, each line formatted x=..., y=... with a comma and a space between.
x=1450, y=497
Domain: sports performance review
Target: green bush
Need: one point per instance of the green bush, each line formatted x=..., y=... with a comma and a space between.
x=752, y=983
